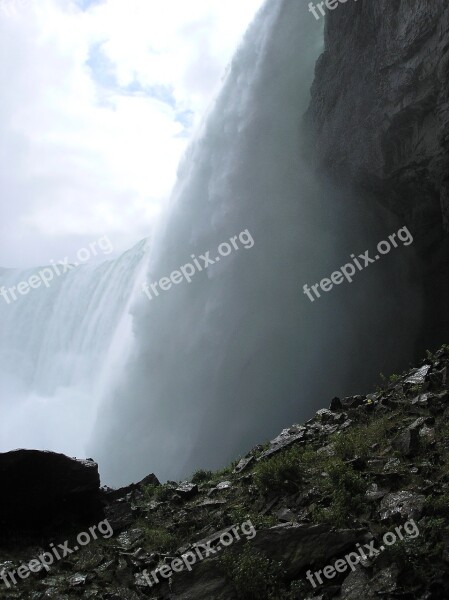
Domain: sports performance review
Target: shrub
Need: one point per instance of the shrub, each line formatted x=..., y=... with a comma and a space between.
x=158, y=493
x=358, y=440
x=201, y=476
x=254, y=576
x=345, y=489
x=159, y=539
x=282, y=471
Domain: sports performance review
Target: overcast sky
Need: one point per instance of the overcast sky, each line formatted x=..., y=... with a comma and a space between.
x=99, y=100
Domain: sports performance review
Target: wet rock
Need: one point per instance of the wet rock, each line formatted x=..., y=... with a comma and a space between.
x=89, y=558
x=375, y=493
x=208, y=503
x=77, y=580
x=328, y=450
x=353, y=401
x=120, y=515
x=123, y=593
x=299, y=545
x=357, y=586
x=404, y=504
x=325, y=416
x=243, y=464
x=427, y=434
x=129, y=539
x=418, y=376
x=407, y=442
x=286, y=438
x=204, y=582
x=112, y=494
x=40, y=489
x=285, y=515
x=386, y=581
x=421, y=400
x=221, y=487
x=336, y=404
x=187, y=490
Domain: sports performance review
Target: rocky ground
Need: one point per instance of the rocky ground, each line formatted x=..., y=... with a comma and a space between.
x=317, y=492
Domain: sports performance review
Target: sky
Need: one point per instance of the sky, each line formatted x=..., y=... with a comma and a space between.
x=99, y=101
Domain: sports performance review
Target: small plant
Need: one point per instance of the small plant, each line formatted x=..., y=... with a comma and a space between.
x=438, y=505
x=202, y=476
x=254, y=576
x=417, y=389
x=157, y=493
x=239, y=514
x=357, y=441
x=159, y=539
x=297, y=591
x=281, y=472
x=346, y=489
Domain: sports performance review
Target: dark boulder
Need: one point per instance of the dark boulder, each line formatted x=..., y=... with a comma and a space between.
x=45, y=489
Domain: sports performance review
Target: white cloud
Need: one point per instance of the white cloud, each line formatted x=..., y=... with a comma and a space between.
x=96, y=110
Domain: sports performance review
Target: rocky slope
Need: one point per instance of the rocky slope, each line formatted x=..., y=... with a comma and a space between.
x=356, y=474
x=379, y=118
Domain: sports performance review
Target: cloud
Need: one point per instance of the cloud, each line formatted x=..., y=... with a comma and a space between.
x=99, y=101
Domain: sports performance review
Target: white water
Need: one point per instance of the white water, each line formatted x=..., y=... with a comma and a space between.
x=226, y=361
x=59, y=348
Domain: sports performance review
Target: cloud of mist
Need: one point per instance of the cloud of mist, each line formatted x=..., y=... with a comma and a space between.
x=228, y=360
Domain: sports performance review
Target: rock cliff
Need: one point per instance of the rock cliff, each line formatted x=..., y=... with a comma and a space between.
x=379, y=118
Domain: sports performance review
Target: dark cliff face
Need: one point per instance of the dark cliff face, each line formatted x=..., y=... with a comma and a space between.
x=379, y=117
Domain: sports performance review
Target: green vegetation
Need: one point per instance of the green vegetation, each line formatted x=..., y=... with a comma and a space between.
x=158, y=539
x=358, y=440
x=240, y=514
x=202, y=476
x=345, y=488
x=281, y=472
x=158, y=493
x=253, y=575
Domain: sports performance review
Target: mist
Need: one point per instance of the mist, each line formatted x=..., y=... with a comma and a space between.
x=113, y=361
x=227, y=360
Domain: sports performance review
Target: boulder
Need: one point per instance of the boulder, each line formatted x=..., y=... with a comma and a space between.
x=404, y=505
x=41, y=489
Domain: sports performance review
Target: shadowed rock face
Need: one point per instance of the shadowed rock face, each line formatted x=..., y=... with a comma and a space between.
x=41, y=489
x=379, y=117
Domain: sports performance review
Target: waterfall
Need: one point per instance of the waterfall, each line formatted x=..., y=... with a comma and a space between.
x=204, y=370
x=227, y=360
x=58, y=347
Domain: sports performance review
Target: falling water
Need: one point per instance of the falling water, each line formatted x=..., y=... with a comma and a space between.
x=227, y=360
x=58, y=349
x=206, y=369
